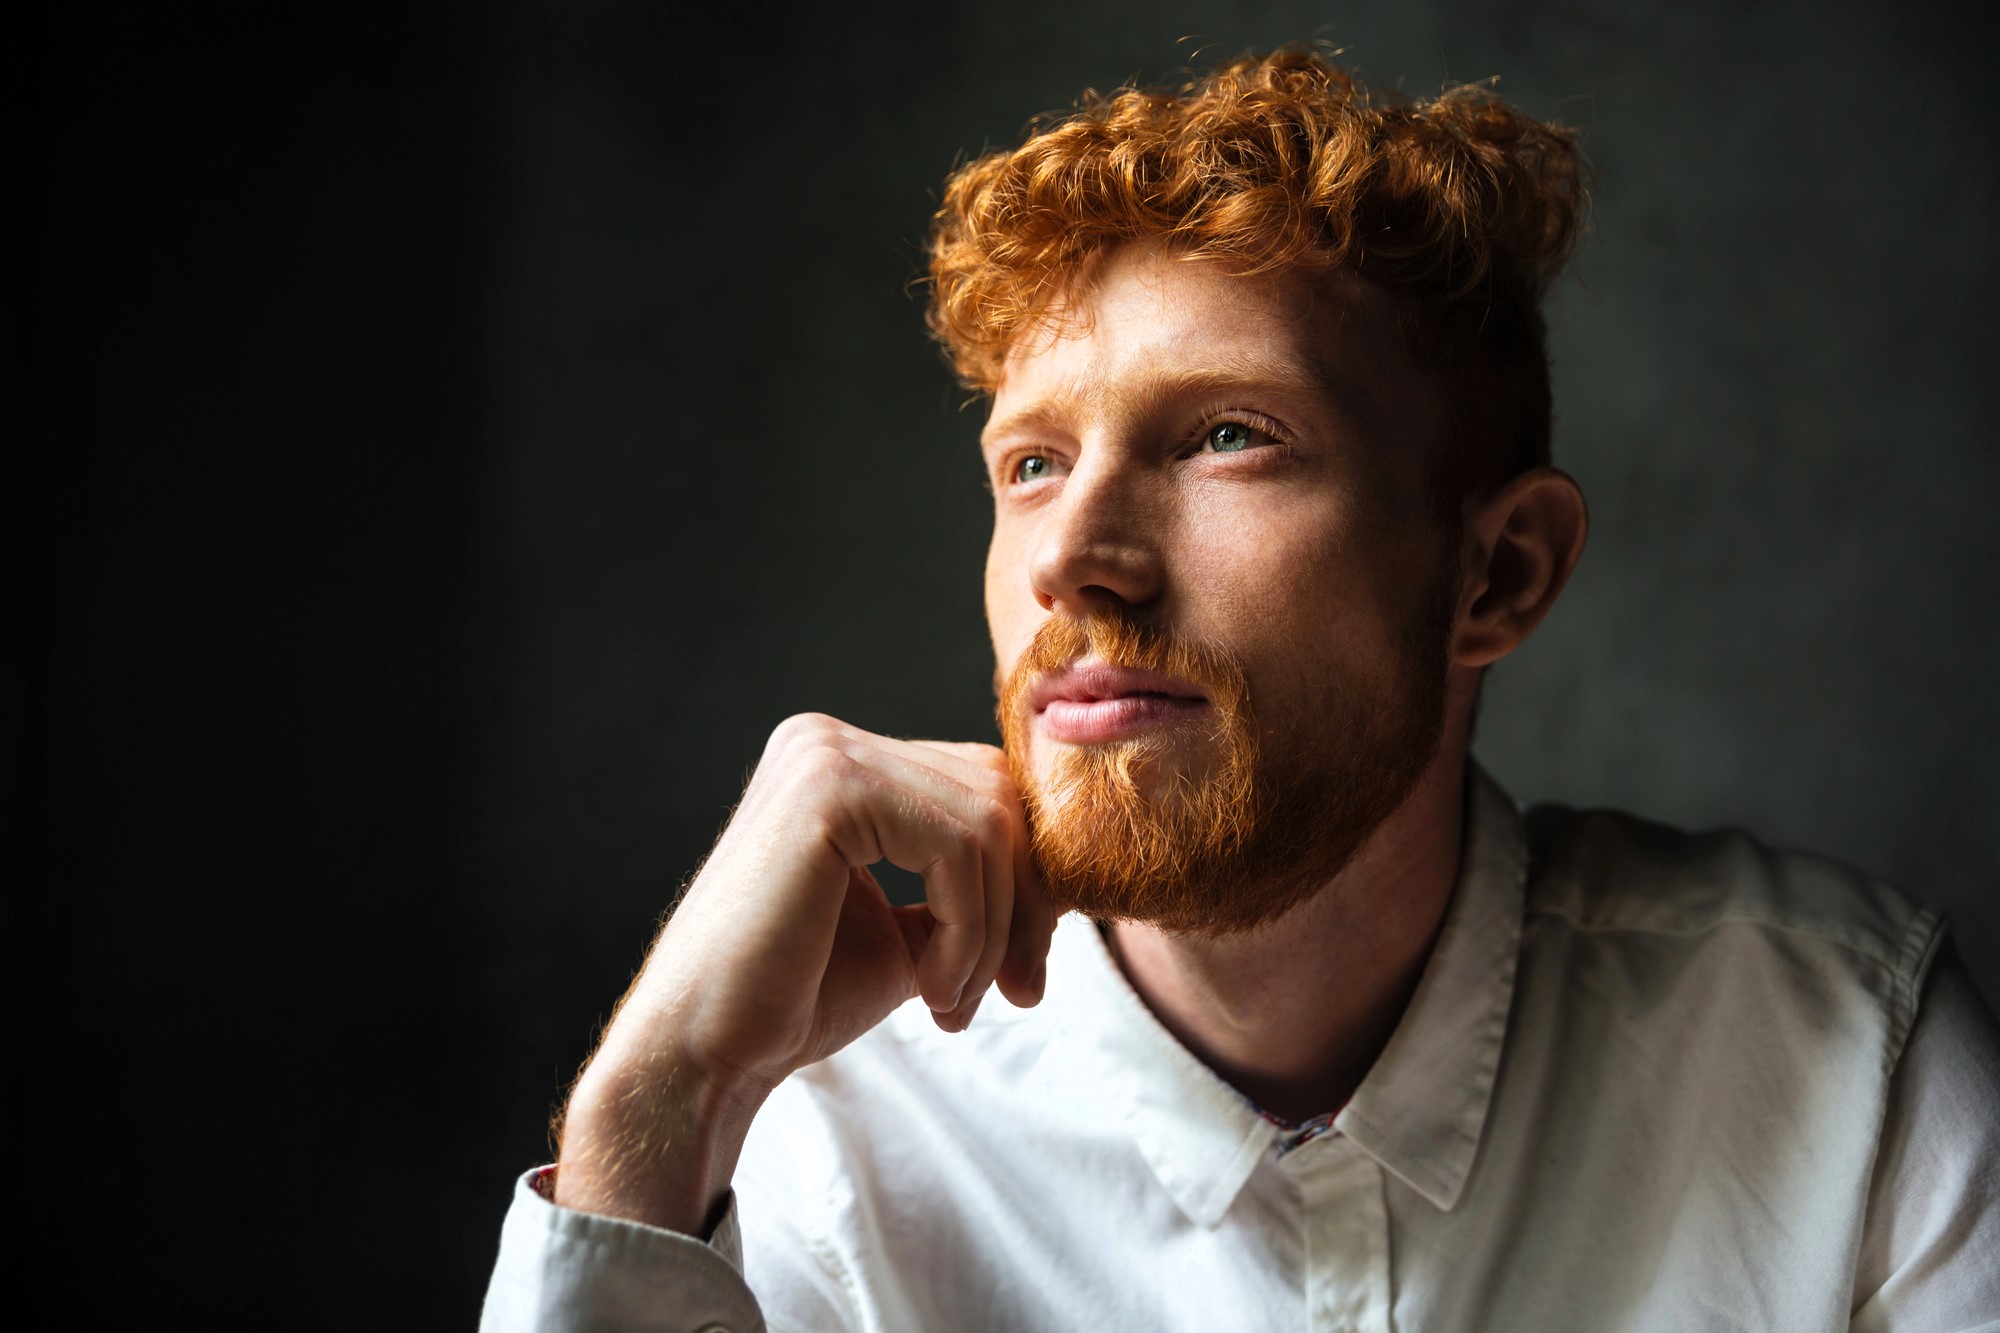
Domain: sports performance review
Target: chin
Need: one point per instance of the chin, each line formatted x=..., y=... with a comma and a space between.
x=1155, y=767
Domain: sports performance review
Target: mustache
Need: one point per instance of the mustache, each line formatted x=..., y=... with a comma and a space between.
x=1121, y=639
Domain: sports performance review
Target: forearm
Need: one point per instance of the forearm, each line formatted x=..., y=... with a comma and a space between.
x=654, y=1140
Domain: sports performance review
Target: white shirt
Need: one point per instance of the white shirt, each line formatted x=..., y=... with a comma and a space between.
x=1648, y=1080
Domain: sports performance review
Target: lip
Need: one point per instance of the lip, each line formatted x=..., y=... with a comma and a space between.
x=1092, y=703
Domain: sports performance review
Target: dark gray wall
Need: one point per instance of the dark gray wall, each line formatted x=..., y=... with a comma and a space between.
x=462, y=433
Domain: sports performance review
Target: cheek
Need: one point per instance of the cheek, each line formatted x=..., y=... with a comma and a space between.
x=1297, y=593
x=1011, y=610
x=1278, y=568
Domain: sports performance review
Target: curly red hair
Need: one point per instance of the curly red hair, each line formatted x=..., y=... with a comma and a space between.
x=1460, y=206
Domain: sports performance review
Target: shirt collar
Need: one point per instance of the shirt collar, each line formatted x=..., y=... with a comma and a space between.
x=1197, y=1133
x=1422, y=1107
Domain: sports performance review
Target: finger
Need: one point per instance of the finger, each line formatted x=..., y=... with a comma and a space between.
x=981, y=767
x=985, y=766
x=972, y=781
x=997, y=842
x=1023, y=976
x=1020, y=967
x=958, y=839
x=969, y=756
x=917, y=925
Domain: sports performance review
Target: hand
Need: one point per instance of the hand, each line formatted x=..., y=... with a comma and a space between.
x=784, y=949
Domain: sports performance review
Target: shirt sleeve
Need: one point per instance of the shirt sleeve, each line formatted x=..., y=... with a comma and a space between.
x=564, y=1271
x=1930, y=1246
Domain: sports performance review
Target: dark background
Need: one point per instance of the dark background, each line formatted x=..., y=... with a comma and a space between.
x=454, y=435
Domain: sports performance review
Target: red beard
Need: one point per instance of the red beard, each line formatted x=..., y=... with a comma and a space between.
x=1128, y=832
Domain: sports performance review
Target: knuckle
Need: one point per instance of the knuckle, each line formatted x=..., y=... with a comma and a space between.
x=991, y=822
x=777, y=745
x=798, y=728
x=822, y=763
x=965, y=849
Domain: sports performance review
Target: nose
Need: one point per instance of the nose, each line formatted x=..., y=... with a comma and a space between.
x=1101, y=543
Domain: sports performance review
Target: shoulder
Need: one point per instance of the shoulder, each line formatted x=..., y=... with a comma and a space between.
x=1607, y=872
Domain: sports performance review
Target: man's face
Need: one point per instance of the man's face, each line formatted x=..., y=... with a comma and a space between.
x=1218, y=595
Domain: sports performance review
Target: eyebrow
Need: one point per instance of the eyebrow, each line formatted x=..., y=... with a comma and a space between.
x=1088, y=397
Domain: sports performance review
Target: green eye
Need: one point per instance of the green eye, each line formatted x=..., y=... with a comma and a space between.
x=1230, y=437
x=1032, y=468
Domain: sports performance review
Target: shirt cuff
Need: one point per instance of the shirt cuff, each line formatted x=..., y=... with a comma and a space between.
x=564, y=1271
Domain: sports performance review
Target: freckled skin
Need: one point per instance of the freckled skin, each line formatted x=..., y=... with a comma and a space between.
x=1298, y=553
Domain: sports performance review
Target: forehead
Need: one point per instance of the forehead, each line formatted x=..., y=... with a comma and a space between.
x=1144, y=326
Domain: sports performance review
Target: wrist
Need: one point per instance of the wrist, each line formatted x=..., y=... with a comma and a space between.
x=654, y=1140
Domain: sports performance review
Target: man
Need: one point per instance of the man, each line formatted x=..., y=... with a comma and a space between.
x=1329, y=1036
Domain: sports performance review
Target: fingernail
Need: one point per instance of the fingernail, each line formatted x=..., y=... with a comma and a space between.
x=971, y=1009
x=1041, y=982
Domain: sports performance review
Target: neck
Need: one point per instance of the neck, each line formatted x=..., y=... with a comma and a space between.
x=1294, y=1013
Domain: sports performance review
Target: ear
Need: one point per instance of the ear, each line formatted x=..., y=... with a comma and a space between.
x=1519, y=545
